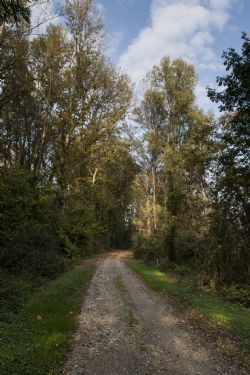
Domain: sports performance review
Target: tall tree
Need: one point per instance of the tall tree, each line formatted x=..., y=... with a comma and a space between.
x=62, y=107
x=231, y=184
x=177, y=148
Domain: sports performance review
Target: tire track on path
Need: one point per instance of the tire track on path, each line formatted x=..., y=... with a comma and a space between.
x=125, y=329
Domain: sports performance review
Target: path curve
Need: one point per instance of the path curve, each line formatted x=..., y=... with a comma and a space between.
x=125, y=329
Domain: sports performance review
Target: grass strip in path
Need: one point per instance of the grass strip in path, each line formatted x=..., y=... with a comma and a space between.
x=220, y=319
x=130, y=317
x=36, y=340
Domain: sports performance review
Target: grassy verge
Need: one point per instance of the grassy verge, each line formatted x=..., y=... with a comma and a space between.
x=227, y=323
x=35, y=340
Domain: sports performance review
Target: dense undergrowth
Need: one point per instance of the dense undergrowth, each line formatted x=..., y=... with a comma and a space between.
x=76, y=175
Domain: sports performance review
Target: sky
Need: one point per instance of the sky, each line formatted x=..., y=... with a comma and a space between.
x=141, y=32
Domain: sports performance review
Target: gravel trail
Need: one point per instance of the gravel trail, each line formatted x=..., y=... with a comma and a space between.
x=125, y=329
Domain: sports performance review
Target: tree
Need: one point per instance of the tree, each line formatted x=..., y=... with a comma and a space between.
x=235, y=100
x=231, y=190
x=151, y=114
x=14, y=11
x=177, y=153
x=62, y=108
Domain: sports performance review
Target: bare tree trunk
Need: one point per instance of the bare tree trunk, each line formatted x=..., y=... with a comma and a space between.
x=172, y=207
x=94, y=176
x=148, y=216
x=154, y=196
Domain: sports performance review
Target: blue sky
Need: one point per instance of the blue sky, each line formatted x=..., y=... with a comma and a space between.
x=141, y=32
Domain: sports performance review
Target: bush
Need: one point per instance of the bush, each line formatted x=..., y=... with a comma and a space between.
x=29, y=225
x=34, y=249
x=149, y=249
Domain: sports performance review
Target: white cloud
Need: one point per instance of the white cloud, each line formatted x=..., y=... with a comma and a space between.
x=113, y=42
x=100, y=8
x=178, y=28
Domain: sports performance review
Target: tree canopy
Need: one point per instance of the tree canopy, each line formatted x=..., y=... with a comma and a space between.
x=14, y=11
x=74, y=180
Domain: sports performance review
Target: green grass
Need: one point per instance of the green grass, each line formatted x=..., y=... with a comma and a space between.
x=120, y=286
x=130, y=318
x=206, y=308
x=35, y=340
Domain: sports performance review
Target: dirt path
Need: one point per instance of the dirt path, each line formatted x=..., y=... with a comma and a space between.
x=127, y=330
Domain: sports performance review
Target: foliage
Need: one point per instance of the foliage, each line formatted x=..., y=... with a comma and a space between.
x=179, y=148
x=14, y=11
x=192, y=191
x=148, y=248
x=28, y=238
x=72, y=179
x=231, y=218
x=66, y=173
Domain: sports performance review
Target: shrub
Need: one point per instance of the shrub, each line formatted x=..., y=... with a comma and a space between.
x=148, y=248
x=34, y=249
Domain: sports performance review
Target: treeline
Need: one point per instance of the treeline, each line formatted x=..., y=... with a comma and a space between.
x=65, y=169
x=192, y=203
x=72, y=182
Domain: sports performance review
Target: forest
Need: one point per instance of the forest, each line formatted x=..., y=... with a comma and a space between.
x=77, y=176
x=85, y=168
